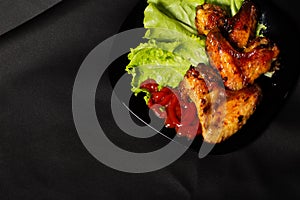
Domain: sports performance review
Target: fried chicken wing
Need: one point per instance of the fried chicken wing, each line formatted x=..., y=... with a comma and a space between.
x=241, y=27
x=221, y=112
x=207, y=17
x=240, y=68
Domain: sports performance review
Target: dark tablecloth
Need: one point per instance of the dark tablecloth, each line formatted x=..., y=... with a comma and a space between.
x=42, y=157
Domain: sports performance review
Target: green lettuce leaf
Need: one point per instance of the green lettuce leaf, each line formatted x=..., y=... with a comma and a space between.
x=260, y=28
x=235, y=5
x=230, y=5
x=191, y=48
x=183, y=12
x=149, y=61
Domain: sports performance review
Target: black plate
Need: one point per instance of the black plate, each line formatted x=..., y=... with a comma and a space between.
x=275, y=90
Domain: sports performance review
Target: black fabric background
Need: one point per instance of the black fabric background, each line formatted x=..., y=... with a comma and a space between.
x=13, y=13
x=42, y=157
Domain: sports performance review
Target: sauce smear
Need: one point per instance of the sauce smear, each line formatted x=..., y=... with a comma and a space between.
x=177, y=111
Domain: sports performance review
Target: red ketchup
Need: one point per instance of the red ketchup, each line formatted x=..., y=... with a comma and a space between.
x=178, y=111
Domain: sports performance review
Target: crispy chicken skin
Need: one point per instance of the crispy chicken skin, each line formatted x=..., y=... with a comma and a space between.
x=207, y=17
x=240, y=68
x=241, y=27
x=221, y=112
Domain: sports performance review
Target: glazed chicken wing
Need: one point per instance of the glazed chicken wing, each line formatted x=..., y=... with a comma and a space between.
x=231, y=44
x=239, y=28
x=240, y=68
x=208, y=16
x=221, y=112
